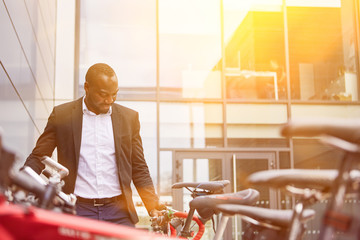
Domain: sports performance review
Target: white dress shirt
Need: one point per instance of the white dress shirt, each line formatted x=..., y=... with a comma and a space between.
x=97, y=170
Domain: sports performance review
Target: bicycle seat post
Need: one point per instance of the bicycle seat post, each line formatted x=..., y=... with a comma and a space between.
x=296, y=224
x=185, y=230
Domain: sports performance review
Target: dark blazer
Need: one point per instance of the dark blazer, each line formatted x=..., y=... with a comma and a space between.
x=63, y=130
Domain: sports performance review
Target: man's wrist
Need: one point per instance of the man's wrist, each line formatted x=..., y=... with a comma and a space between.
x=161, y=207
x=151, y=213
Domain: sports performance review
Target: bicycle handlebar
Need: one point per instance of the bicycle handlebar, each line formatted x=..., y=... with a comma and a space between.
x=27, y=182
x=34, y=175
x=57, y=167
x=32, y=182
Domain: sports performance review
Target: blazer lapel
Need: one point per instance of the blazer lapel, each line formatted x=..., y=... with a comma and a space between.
x=116, y=124
x=76, y=116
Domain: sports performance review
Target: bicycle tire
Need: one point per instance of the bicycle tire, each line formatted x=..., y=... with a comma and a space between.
x=200, y=224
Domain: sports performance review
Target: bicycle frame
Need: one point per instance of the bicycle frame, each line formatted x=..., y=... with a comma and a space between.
x=20, y=222
x=343, y=135
x=185, y=231
x=334, y=219
x=168, y=220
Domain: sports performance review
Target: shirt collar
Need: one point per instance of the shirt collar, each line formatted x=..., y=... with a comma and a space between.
x=88, y=112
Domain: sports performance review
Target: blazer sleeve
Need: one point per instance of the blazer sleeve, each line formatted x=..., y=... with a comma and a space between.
x=45, y=145
x=140, y=171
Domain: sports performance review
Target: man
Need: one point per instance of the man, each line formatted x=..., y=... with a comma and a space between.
x=99, y=142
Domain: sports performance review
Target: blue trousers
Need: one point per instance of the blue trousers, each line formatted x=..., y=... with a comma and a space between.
x=115, y=212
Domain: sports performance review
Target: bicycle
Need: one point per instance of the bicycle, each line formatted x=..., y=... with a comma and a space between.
x=40, y=220
x=174, y=222
x=310, y=186
x=43, y=193
x=262, y=223
x=171, y=221
x=343, y=135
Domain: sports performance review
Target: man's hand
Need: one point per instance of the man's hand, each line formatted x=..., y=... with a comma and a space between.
x=155, y=213
x=159, y=220
x=158, y=211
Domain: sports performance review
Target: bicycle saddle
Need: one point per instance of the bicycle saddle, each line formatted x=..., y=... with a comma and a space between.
x=346, y=129
x=303, y=178
x=280, y=218
x=212, y=186
x=206, y=205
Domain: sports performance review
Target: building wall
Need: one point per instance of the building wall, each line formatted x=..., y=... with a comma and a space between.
x=27, y=70
x=36, y=67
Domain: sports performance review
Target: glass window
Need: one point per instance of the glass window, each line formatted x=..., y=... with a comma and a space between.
x=311, y=154
x=321, y=46
x=122, y=34
x=322, y=50
x=190, y=47
x=199, y=170
x=254, y=50
x=194, y=125
x=166, y=173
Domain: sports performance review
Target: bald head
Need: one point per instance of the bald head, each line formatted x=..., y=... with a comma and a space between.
x=98, y=69
x=101, y=87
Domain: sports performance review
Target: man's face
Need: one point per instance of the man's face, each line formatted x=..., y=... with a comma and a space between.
x=101, y=93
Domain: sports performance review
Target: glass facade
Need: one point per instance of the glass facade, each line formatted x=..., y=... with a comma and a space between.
x=314, y=48
x=123, y=35
x=221, y=76
x=323, y=67
x=213, y=80
x=189, y=47
x=190, y=125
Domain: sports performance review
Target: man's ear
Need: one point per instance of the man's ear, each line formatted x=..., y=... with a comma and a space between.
x=86, y=86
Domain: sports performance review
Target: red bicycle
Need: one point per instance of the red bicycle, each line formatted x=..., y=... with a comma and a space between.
x=188, y=225
x=171, y=222
x=50, y=214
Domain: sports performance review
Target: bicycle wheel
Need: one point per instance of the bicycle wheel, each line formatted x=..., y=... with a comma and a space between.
x=197, y=227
